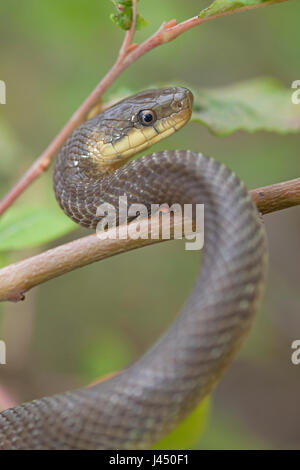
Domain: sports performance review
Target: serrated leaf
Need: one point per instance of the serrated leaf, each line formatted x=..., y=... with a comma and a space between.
x=261, y=104
x=186, y=435
x=223, y=6
x=24, y=227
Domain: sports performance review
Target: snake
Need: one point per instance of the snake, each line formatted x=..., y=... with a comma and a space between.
x=145, y=401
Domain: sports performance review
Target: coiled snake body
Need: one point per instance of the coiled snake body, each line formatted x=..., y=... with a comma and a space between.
x=141, y=404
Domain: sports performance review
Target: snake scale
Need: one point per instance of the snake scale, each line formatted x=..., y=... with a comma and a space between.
x=137, y=407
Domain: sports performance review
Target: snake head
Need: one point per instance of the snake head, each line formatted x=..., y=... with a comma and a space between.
x=136, y=123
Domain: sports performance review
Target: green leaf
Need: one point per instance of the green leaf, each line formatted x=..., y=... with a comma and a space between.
x=122, y=19
x=140, y=22
x=124, y=16
x=23, y=227
x=222, y=6
x=125, y=3
x=261, y=104
x=186, y=435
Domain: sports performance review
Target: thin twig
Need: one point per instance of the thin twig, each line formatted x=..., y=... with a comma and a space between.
x=175, y=30
x=129, y=53
x=128, y=40
x=18, y=278
x=43, y=162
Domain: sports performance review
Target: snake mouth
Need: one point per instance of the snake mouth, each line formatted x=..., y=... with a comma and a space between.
x=170, y=118
x=140, y=139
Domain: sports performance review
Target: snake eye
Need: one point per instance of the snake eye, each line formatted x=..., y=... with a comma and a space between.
x=147, y=117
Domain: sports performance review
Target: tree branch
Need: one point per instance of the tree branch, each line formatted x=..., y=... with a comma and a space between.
x=129, y=53
x=277, y=196
x=18, y=278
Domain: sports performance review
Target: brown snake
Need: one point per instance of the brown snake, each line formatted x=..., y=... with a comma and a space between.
x=136, y=408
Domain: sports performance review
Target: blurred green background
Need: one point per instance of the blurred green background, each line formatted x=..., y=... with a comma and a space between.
x=98, y=319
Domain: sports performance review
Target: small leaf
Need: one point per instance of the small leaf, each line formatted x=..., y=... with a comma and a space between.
x=122, y=20
x=124, y=16
x=23, y=227
x=261, y=104
x=141, y=22
x=223, y=6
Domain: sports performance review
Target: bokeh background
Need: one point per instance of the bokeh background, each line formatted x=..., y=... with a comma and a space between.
x=98, y=319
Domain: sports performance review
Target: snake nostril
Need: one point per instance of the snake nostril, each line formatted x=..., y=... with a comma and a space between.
x=177, y=106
